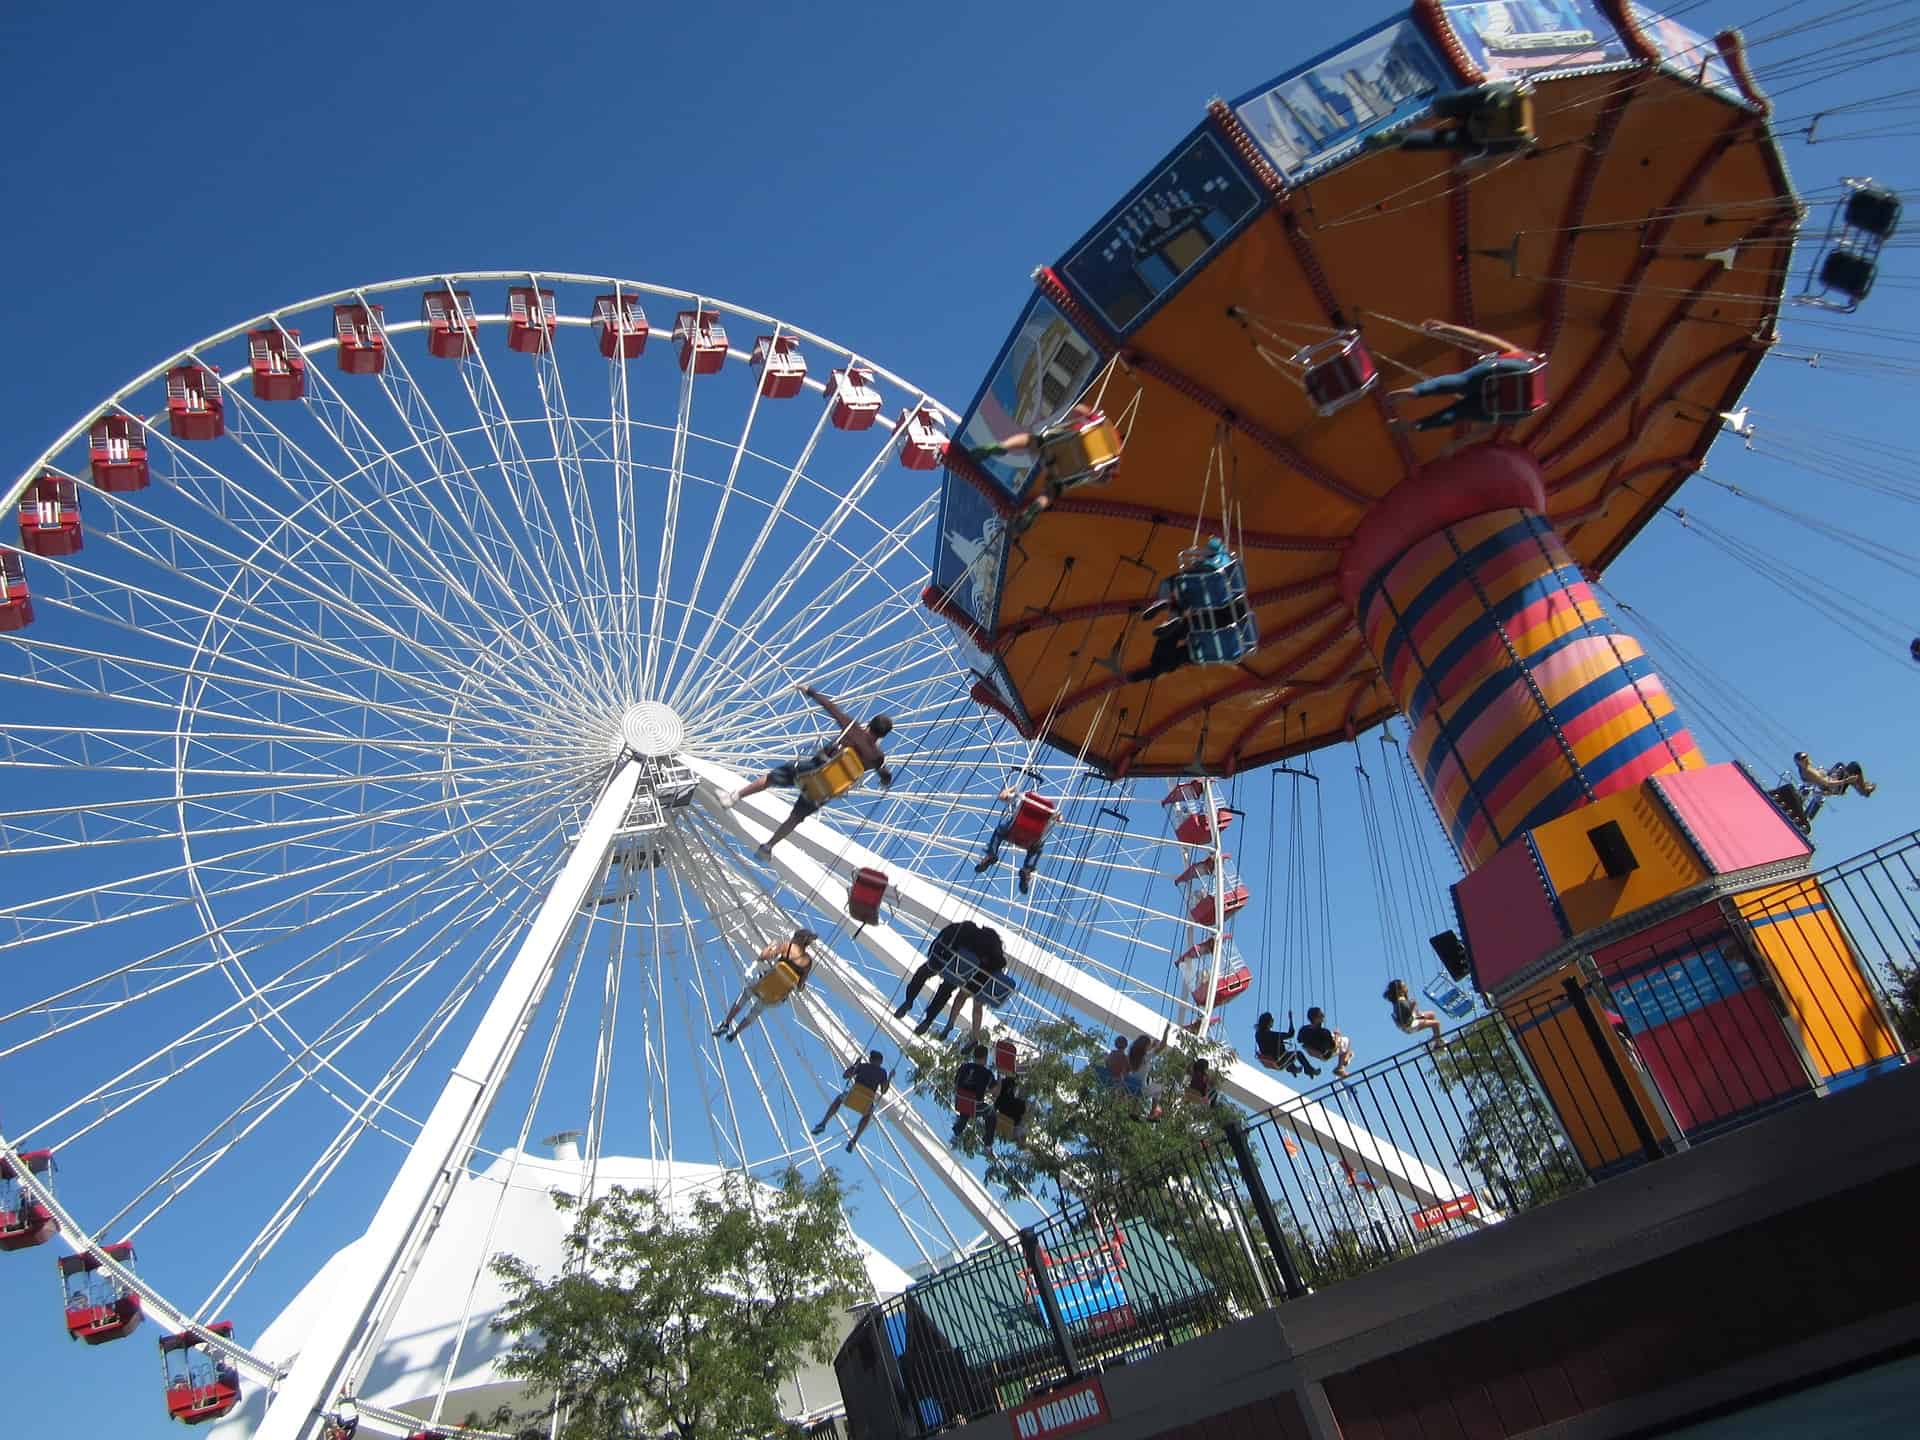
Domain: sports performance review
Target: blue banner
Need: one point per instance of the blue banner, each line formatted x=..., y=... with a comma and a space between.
x=1679, y=986
x=1687, y=53
x=1511, y=39
x=1165, y=228
x=1320, y=114
x=1040, y=371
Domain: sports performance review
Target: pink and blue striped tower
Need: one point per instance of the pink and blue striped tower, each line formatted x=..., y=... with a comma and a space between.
x=1524, y=699
x=1600, y=846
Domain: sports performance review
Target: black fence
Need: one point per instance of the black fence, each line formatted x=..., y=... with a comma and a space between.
x=1729, y=1012
x=1710, y=1020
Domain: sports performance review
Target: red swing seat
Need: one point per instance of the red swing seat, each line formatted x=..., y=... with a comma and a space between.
x=1006, y=1057
x=1029, y=824
x=1338, y=371
x=863, y=900
x=1510, y=395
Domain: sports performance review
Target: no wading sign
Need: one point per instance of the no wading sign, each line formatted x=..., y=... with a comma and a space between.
x=1064, y=1412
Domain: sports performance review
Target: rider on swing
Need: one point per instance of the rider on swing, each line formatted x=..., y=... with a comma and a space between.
x=855, y=743
x=1096, y=459
x=1496, y=358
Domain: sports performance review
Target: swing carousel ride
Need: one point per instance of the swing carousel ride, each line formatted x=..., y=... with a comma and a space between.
x=381, y=672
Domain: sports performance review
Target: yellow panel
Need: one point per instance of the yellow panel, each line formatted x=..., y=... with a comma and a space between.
x=1574, y=1076
x=1841, y=1027
x=1587, y=894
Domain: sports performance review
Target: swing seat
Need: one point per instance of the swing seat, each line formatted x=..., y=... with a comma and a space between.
x=778, y=983
x=1006, y=1057
x=1083, y=449
x=1222, y=636
x=863, y=900
x=1449, y=997
x=1849, y=270
x=1208, y=579
x=1873, y=210
x=1511, y=394
x=1029, y=824
x=1503, y=119
x=860, y=1099
x=1338, y=372
x=995, y=990
x=1005, y=1127
x=833, y=779
x=966, y=1103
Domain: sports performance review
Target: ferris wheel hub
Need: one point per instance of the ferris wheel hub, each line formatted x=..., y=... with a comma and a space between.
x=652, y=730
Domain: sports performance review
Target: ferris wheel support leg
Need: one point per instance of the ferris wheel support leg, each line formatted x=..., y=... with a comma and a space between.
x=412, y=1205
x=859, y=993
x=932, y=904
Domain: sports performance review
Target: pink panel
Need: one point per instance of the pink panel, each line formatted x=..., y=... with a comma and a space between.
x=1734, y=826
x=1510, y=921
x=1720, y=1060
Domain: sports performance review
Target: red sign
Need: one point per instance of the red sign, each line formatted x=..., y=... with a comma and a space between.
x=1446, y=1210
x=1064, y=1412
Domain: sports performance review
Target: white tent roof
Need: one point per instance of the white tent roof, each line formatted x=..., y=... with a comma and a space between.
x=479, y=1223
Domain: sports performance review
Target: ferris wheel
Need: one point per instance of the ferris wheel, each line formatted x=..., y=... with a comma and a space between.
x=374, y=672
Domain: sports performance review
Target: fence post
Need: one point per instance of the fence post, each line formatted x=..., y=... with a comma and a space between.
x=1043, y=1287
x=1263, y=1210
x=1583, y=1007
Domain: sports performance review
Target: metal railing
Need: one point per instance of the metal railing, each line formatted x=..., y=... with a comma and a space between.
x=1777, y=995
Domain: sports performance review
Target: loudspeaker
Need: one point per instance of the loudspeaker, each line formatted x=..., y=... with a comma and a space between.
x=1610, y=844
x=1453, y=955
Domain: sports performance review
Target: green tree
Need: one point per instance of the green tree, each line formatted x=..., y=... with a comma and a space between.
x=1088, y=1138
x=1511, y=1135
x=1903, y=996
x=684, y=1324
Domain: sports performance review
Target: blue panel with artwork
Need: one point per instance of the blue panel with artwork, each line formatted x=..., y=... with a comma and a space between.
x=1167, y=227
x=1512, y=39
x=1320, y=114
x=1687, y=53
x=1039, y=372
x=970, y=552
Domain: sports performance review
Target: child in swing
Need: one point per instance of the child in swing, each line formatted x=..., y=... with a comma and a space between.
x=1324, y=1043
x=862, y=740
x=1010, y=794
x=868, y=1081
x=1406, y=1015
x=1275, y=1047
x=1494, y=358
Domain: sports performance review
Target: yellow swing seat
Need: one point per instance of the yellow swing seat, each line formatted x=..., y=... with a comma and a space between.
x=860, y=1099
x=778, y=983
x=1081, y=451
x=833, y=779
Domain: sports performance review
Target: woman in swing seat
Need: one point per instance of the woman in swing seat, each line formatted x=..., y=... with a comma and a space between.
x=1406, y=1015
x=787, y=964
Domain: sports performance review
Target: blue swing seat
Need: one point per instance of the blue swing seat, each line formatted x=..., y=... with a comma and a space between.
x=1210, y=590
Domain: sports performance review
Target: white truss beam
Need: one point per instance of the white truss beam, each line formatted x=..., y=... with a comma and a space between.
x=819, y=845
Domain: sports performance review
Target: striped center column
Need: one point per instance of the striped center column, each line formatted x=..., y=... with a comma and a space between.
x=1525, y=700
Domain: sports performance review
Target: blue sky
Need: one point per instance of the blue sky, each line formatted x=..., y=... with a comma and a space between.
x=888, y=177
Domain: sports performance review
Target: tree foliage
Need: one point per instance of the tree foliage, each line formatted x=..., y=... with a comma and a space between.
x=1903, y=995
x=1511, y=1135
x=684, y=1324
x=1087, y=1138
